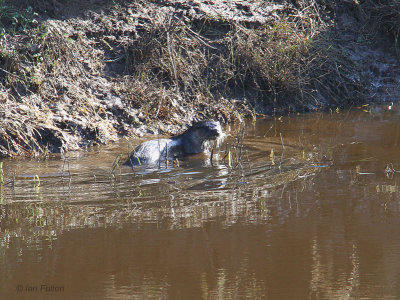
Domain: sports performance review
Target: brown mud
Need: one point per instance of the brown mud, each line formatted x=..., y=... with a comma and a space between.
x=78, y=73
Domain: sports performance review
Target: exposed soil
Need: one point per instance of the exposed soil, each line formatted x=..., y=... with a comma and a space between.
x=76, y=73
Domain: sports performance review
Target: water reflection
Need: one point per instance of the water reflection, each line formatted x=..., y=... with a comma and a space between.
x=319, y=219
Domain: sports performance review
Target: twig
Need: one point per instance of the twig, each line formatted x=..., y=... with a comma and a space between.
x=283, y=146
x=283, y=150
x=197, y=36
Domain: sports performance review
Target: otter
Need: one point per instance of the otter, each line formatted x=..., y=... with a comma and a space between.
x=192, y=141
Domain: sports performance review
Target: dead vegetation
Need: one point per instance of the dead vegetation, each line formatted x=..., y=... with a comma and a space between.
x=122, y=67
x=383, y=17
x=275, y=66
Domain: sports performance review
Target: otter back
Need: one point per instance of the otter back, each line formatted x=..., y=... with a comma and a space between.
x=155, y=151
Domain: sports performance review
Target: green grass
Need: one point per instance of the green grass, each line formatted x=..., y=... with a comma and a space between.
x=13, y=21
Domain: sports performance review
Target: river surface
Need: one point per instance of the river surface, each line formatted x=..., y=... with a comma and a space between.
x=301, y=208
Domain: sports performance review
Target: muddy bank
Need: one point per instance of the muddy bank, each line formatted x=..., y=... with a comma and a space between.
x=78, y=73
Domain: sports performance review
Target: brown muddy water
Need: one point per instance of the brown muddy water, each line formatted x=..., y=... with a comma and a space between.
x=320, y=219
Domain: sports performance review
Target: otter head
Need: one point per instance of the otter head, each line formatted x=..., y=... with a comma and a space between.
x=194, y=138
x=207, y=130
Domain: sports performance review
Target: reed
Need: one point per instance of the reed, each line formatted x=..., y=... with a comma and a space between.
x=114, y=166
x=1, y=175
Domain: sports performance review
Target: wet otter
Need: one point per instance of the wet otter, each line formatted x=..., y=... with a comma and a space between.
x=190, y=142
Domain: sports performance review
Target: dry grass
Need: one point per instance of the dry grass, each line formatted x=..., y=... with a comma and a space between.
x=270, y=60
x=281, y=64
x=383, y=16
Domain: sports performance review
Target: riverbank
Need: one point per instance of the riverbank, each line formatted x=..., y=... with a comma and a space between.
x=78, y=73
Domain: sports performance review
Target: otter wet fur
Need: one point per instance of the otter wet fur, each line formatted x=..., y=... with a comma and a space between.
x=192, y=141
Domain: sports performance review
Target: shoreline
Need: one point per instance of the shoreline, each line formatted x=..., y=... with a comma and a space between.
x=76, y=75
